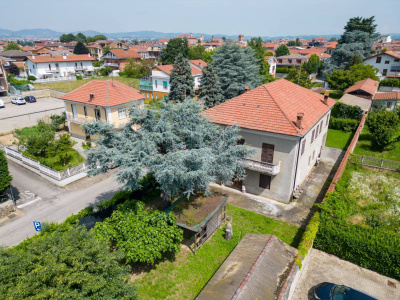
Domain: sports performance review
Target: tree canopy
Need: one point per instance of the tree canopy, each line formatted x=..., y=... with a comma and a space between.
x=181, y=80
x=80, y=48
x=182, y=149
x=174, y=47
x=313, y=65
x=257, y=45
x=98, y=37
x=383, y=125
x=342, y=79
x=67, y=38
x=210, y=91
x=236, y=68
x=5, y=176
x=282, y=50
x=197, y=52
x=64, y=264
x=300, y=77
x=12, y=46
x=362, y=24
x=80, y=37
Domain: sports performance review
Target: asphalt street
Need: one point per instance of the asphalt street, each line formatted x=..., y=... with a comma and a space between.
x=42, y=201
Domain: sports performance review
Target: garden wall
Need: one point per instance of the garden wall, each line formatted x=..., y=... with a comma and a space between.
x=305, y=247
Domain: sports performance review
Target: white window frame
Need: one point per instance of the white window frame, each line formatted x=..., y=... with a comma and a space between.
x=121, y=113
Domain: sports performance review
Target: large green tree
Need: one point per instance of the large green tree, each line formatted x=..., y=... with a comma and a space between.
x=99, y=37
x=362, y=24
x=342, y=79
x=178, y=144
x=80, y=48
x=208, y=55
x=300, y=77
x=257, y=45
x=5, y=176
x=181, y=80
x=383, y=126
x=65, y=264
x=66, y=38
x=282, y=50
x=313, y=65
x=80, y=37
x=12, y=46
x=142, y=235
x=210, y=91
x=236, y=68
x=197, y=52
x=174, y=47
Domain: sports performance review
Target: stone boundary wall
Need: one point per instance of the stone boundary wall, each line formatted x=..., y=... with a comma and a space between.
x=290, y=284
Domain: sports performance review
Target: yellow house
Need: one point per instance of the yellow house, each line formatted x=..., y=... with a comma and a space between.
x=106, y=101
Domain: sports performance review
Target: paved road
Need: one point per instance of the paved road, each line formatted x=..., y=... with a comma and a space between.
x=41, y=201
x=19, y=116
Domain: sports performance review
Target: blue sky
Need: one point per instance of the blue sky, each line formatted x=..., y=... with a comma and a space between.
x=230, y=17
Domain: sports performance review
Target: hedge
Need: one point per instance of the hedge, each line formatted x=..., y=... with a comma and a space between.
x=308, y=238
x=282, y=70
x=343, y=124
x=344, y=111
x=369, y=248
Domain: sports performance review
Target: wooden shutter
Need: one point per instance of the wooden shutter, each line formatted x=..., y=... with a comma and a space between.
x=265, y=181
x=267, y=153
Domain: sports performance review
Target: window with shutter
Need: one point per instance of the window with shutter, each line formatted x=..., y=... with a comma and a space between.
x=327, y=120
x=320, y=127
x=312, y=136
x=267, y=153
x=265, y=181
x=303, y=147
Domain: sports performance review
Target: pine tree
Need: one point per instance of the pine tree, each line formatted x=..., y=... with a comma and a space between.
x=80, y=48
x=5, y=177
x=181, y=80
x=210, y=91
x=236, y=68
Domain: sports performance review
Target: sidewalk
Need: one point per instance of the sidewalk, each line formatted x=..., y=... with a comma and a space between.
x=297, y=212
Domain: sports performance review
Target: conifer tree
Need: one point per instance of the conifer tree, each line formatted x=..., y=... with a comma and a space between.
x=236, y=68
x=177, y=144
x=5, y=177
x=181, y=80
x=210, y=91
x=80, y=48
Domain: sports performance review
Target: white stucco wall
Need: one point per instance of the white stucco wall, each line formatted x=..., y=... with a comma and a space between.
x=392, y=61
x=39, y=70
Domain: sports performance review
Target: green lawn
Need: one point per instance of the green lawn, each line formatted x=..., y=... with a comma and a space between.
x=64, y=85
x=338, y=139
x=363, y=147
x=187, y=274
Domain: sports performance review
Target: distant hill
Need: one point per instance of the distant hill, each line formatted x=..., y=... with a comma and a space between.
x=142, y=35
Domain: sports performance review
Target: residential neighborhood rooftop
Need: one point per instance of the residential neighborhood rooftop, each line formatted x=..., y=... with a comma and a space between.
x=367, y=85
x=57, y=58
x=387, y=96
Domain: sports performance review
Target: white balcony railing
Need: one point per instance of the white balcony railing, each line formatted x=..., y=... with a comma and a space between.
x=262, y=167
x=80, y=68
x=78, y=119
x=111, y=65
x=54, y=70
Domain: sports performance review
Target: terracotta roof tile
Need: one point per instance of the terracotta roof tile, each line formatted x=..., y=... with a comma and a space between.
x=272, y=107
x=55, y=58
x=367, y=85
x=387, y=96
x=106, y=93
x=129, y=53
x=168, y=68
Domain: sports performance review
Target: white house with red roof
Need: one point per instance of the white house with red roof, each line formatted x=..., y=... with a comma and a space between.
x=388, y=64
x=59, y=66
x=286, y=125
x=99, y=100
x=157, y=85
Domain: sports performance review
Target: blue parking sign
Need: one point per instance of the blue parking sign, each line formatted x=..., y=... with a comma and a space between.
x=38, y=226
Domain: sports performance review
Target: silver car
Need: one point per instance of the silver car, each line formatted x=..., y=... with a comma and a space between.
x=18, y=100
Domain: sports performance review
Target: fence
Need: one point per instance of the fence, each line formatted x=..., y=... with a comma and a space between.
x=374, y=162
x=60, y=177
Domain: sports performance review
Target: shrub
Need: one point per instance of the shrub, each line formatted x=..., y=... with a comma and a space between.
x=31, y=78
x=78, y=77
x=282, y=70
x=383, y=126
x=334, y=94
x=308, y=238
x=344, y=111
x=393, y=82
x=343, y=124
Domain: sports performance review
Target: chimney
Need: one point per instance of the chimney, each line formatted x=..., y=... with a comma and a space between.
x=91, y=96
x=160, y=63
x=300, y=117
x=212, y=37
x=51, y=55
x=246, y=89
x=326, y=96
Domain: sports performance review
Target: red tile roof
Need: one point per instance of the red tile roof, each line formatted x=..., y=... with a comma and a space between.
x=106, y=93
x=322, y=55
x=199, y=62
x=272, y=107
x=317, y=51
x=367, y=85
x=121, y=53
x=387, y=96
x=55, y=58
x=168, y=68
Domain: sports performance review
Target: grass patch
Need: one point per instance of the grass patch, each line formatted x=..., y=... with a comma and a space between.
x=184, y=276
x=338, y=138
x=64, y=85
x=363, y=147
x=334, y=94
x=74, y=158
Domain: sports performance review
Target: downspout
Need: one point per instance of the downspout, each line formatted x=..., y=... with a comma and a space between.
x=297, y=163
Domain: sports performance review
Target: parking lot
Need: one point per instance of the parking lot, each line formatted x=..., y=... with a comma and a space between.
x=323, y=267
x=19, y=116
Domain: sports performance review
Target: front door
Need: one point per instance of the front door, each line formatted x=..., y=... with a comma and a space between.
x=267, y=153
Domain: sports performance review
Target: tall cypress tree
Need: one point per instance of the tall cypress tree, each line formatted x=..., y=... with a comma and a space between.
x=5, y=177
x=181, y=80
x=80, y=48
x=210, y=91
x=236, y=68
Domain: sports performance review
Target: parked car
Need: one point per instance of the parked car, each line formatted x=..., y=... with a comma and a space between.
x=2, y=104
x=331, y=291
x=18, y=100
x=30, y=99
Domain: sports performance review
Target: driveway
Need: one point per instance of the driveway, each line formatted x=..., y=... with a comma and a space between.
x=297, y=212
x=20, y=116
x=40, y=200
x=323, y=267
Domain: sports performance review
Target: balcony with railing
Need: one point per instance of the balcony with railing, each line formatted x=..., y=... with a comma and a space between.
x=262, y=167
x=115, y=65
x=80, y=68
x=78, y=119
x=145, y=83
x=53, y=70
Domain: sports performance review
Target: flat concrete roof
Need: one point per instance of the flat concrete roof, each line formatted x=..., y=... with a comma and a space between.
x=352, y=100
